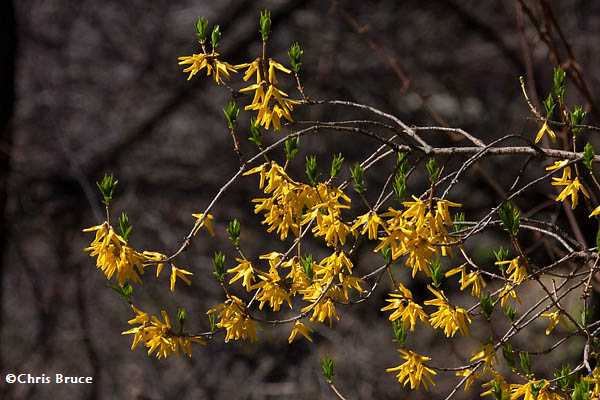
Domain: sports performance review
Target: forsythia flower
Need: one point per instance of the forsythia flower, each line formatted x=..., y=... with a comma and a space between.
x=234, y=319
x=181, y=274
x=420, y=232
x=447, y=317
x=270, y=291
x=472, y=278
x=271, y=102
x=572, y=187
x=202, y=222
x=534, y=390
x=300, y=328
x=545, y=129
x=210, y=62
x=595, y=212
x=413, y=370
x=325, y=309
x=292, y=204
x=113, y=255
x=554, y=318
x=405, y=308
x=506, y=293
x=370, y=223
x=516, y=270
x=243, y=271
x=157, y=335
x=470, y=375
x=488, y=355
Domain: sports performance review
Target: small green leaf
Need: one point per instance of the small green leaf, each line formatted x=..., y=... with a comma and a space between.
x=509, y=355
x=386, y=252
x=219, y=266
x=311, y=169
x=577, y=117
x=255, y=134
x=437, y=275
x=399, y=331
x=306, y=262
x=125, y=227
x=549, y=106
x=358, y=177
x=181, y=315
x=215, y=37
x=510, y=216
x=510, y=312
x=107, y=186
x=525, y=362
x=328, y=366
x=295, y=53
x=291, y=147
x=233, y=231
x=432, y=170
x=487, y=305
x=559, y=84
x=231, y=112
x=202, y=29
x=564, y=378
x=336, y=165
x=265, y=25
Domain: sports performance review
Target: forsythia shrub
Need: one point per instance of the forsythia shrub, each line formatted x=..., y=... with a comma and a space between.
x=425, y=233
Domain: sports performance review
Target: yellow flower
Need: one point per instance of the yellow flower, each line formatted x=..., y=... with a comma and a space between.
x=202, y=222
x=370, y=223
x=471, y=376
x=405, y=309
x=243, y=271
x=506, y=293
x=271, y=102
x=498, y=380
x=517, y=272
x=325, y=309
x=114, y=256
x=413, y=371
x=534, y=390
x=447, y=317
x=155, y=257
x=420, y=232
x=554, y=318
x=232, y=316
x=558, y=165
x=210, y=62
x=299, y=327
x=158, y=336
x=545, y=129
x=595, y=212
x=181, y=274
x=487, y=354
x=472, y=278
x=271, y=291
x=572, y=188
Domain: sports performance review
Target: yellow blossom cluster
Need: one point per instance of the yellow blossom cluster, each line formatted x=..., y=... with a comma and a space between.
x=157, y=335
x=419, y=232
x=292, y=204
x=211, y=63
x=234, y=319
x=447, y=317
x=413, y=371
x=405, y=308
x=114, y=256
x=271, y=103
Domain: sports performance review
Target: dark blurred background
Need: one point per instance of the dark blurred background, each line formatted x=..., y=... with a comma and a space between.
x=89, y=87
